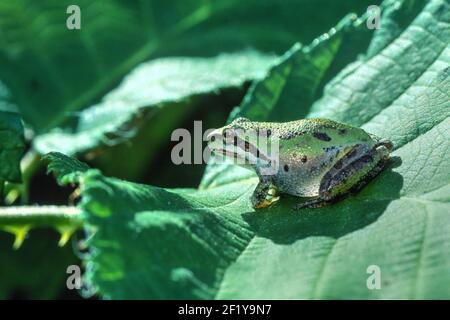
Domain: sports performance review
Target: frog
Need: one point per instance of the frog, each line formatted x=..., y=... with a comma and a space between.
x=319, y=160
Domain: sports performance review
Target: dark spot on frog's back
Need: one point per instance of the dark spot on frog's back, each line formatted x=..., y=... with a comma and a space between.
x=321, y=136
x=342, y=131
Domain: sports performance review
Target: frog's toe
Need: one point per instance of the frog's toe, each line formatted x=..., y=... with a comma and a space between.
x=264, y=203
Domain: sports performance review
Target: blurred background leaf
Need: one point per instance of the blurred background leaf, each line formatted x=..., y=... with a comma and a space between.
x=12, y=142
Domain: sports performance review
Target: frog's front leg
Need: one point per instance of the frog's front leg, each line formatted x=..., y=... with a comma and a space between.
x=265, y=193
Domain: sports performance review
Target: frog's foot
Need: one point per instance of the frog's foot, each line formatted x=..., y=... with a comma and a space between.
x=313, y=203
x=264, y=195
x=264, y=203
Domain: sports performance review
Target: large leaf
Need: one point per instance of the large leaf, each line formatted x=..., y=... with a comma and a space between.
x=54, y=71
x=162, y=243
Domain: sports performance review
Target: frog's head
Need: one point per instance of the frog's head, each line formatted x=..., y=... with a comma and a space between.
x=240, y=141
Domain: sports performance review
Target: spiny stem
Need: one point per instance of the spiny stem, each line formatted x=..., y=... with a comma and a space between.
x=19, y=220
x=45, y=216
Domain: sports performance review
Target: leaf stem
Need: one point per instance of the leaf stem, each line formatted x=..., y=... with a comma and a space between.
x=41, y=216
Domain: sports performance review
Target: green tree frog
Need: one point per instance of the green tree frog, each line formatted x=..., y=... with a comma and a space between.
x=318, y=160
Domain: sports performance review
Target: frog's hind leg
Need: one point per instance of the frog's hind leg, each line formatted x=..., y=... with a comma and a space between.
x=352, y=172
x=369, y=176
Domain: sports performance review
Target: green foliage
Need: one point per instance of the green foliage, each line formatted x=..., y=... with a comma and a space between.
x=12, y=142
x=12, y=146
x=67, y=170
x=209, y=243
x=153, y=85
x=57, y=71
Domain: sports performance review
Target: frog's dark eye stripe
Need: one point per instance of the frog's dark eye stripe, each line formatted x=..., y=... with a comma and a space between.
x=228, y=134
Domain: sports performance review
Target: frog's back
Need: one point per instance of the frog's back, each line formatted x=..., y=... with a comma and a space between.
x=309, y=149
x=320, y=133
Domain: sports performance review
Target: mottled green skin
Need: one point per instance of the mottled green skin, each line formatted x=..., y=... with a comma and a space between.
x=319, y=159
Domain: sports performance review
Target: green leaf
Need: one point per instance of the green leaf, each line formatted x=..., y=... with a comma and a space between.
x=209, y=243
x=395, y=17
x=12, y=142
x=153, y=85
x=59, y=71
x=12, y=146
x=66, y=169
